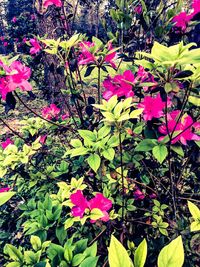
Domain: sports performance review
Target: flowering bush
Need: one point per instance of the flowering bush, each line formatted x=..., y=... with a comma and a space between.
x=108, y=175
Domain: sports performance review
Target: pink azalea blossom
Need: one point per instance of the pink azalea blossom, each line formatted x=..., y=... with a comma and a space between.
x=2, y=38
x=80, y=202
x=4, y=189
x=181, y=20
x=87, y=56
x=120, y=85
x=101, y=203
x=145, y=77
x=7, y=143
x=109, y=58
x=36, y=46
x=50, y=112
x=17, y=75
x=153, y=107
x=138, y=194
x=14, y=19
x=183, y=135
x=65, y=116
x=57, y=3
x=98, y=202
x=43, y=139
x=138, y=9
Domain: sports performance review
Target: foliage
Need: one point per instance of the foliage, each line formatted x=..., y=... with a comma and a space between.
x=116, y=158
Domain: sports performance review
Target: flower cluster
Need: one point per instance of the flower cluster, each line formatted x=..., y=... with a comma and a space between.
x=153, y=107
x=16, y=76
x=182, y=128
x=122, y=84
x=57, y=3
x=36, y=48
x=182, y=19
x=88, y=56
x=51, y=112
x=98, y=202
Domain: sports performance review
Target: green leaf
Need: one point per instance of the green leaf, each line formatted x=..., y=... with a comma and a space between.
x=172, y=255
x=35, y=242
x=96, y=214
x=136, y=113
x=91, y=251
x=194, y=100
x=94, y=162
x=160, y=152
x=14, y=253
x=117, y=254
x=5, y=196
x=76, y=143
x=140, y=254
x=77, y=259
x=194, y=210
x=89, y=262
x=146, y=145
x=109, y=153
x=13, y=264
x=195, y=226
x=178, y=150
x=68, y=223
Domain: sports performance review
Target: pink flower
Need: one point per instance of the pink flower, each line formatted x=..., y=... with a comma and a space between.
x=43, y=139
x=109, y=58
x=4, y=189
x=145, y=77
x=138, y=9
x=7, y=143
x=2, y=38
x=138, y=194
x=80, y=202
x=181, y=20
x=17, y=75
x=14, y=20
x=153, y=107
x=5, y=44
x=101, y=203
x=98, y=202
x=180, y=127
x=36, y=46
x=50, y=112
x=120, y=85
x=24, y=40
x=65, y=116
x=47, y=3
x=86, y=56
x=196, y=7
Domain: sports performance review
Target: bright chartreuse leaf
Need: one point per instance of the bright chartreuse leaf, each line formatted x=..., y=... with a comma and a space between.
x=117, y=254
x=172, y=255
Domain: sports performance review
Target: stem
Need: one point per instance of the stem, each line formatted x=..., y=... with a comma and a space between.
x=13, y=131
x=97, y=237
x=99, y=84
x=38, y=115
x=123, y=188
x=170, y=165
